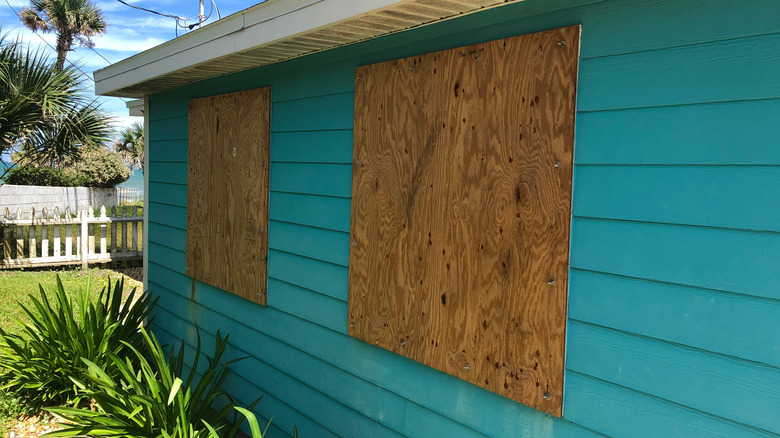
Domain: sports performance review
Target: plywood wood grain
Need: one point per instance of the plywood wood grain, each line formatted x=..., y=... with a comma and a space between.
x=461, y=211
x=227, y=191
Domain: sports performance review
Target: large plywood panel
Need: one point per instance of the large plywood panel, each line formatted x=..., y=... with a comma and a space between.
x=227, y=192
x=461, y=211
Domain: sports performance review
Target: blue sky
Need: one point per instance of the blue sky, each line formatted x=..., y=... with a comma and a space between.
x=130, y=31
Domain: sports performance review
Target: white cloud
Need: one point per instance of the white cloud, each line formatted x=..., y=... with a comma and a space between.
x=120, y=43
x=33, y=39
x=122, y=122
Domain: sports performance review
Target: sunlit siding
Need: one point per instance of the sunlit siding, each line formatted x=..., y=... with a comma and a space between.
x=674, y=301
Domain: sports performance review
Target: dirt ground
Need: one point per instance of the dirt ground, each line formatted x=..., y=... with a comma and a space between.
x=32, y=427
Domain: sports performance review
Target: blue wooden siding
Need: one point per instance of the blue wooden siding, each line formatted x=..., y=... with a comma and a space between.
x=674, y=301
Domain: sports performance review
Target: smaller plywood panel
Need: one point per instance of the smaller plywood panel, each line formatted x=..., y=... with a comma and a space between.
x=227, y=191
x=461, y=211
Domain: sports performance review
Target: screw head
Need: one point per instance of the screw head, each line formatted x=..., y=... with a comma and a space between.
x=551, y=282
x=357, y=162
x=403, y=342
x=557, y=165
x=561, y=44
x=354, y=243
x=466, y=367
x=546, y=396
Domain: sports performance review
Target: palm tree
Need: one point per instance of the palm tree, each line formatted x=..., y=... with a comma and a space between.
x=66, y=135
x=45, y=114
x=70, y=19
x=31, y=91
x=130, y=146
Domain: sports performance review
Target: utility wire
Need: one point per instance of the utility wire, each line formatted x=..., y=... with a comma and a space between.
x=99, y=54
x=52, y=47
x=213, y=3
x=72, y=64
x=153, y=12
x=175, y=17
x=211, y=11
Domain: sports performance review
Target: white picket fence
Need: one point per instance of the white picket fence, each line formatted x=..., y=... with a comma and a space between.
x=70, y=239
x=128, y=195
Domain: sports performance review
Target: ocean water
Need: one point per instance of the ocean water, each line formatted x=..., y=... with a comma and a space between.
x=136, y=180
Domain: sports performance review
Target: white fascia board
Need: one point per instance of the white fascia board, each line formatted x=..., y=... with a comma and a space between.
x=135, y=107
x=267, y=22
x=317, y=14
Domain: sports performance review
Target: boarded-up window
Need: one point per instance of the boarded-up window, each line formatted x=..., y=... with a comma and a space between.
x=461, y=211
x=227, y=191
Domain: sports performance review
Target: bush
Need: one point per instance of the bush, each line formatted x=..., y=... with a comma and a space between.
x=11, y=408
x=151, y=399
x=98, y=167
x=31, y=175
x=40, y=361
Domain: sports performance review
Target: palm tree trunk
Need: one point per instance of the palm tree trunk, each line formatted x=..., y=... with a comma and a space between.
x=63, y=47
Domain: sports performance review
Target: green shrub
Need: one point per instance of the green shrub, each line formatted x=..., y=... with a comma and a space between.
x=30, y=175
x=11, y=409
x=151, y=399
x=98, y=167
x=41, y=359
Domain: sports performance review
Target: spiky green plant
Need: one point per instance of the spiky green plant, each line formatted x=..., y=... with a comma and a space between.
x=40, y=360
x=151, y=399
x=32, y=91
x=67, y=136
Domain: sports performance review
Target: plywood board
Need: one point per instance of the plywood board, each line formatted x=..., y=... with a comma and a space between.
x=227, y=191
x=461, y=211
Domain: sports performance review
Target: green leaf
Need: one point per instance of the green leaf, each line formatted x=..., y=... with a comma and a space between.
x=174, y=389
x=253, y=424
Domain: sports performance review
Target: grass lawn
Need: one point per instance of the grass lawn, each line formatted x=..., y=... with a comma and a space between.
x=15, y=288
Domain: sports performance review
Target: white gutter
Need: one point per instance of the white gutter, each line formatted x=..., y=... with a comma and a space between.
x=267, y=22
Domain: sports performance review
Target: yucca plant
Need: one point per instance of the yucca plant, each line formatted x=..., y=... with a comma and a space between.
x=151, y=399
x=39, y=362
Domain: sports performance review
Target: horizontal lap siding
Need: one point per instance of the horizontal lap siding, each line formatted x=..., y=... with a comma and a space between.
x=673, y=305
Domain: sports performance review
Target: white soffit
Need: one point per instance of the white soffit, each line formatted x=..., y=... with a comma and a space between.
x=270, y=32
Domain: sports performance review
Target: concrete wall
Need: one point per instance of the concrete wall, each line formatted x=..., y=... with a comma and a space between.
x=26, y=197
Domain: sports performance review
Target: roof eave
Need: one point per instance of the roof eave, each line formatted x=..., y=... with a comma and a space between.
x=270, y=32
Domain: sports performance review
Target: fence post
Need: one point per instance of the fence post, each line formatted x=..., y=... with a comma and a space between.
x=19, y=236
x=7, y=236
x=84, y=240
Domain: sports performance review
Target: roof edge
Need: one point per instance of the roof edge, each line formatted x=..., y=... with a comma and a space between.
x=279, y=19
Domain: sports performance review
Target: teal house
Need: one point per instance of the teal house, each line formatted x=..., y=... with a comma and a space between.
x=474, y=218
